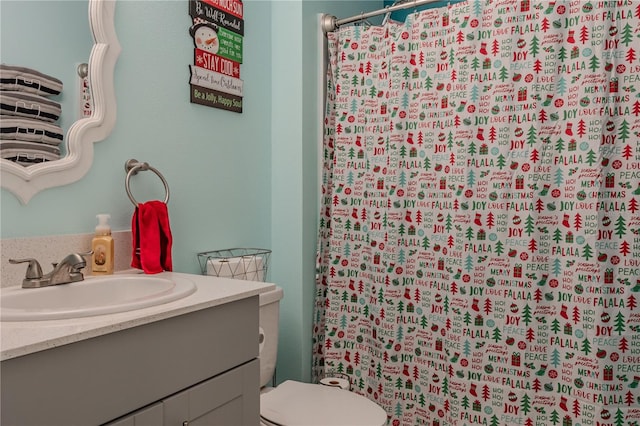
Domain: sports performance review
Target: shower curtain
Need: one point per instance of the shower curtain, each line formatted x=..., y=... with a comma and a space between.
x=479, y=239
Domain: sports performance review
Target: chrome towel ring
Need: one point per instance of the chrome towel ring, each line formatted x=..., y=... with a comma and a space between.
x=132, y=167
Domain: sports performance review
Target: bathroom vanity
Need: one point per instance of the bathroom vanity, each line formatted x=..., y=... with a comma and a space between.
x=190, y=361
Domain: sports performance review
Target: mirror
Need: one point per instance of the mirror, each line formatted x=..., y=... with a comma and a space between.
x=25, y=182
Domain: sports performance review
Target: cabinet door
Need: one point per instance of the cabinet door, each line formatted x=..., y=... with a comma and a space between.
x=149, y=416
x=232, y=398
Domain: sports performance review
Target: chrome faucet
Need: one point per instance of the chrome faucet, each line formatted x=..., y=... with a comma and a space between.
x=64, y=272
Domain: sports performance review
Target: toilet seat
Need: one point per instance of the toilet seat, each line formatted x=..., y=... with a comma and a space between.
x=295, y=404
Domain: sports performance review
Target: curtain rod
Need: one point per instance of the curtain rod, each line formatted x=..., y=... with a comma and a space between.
x=331, y=23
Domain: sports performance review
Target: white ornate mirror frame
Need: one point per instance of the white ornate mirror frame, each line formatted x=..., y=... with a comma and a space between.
x=25, y=182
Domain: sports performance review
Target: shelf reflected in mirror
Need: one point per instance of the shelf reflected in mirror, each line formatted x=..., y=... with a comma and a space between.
x=92, y=41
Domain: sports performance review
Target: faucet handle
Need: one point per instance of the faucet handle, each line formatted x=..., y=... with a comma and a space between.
x=34, y=271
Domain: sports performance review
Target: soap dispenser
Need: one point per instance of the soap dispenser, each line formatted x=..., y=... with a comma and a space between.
x=102, y=247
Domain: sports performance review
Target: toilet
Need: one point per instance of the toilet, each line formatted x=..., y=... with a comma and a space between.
x=295, y=403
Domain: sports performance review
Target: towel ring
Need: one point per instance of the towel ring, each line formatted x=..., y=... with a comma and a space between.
x=132, y=167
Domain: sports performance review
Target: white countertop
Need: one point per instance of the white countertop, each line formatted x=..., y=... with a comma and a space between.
x=25, y=337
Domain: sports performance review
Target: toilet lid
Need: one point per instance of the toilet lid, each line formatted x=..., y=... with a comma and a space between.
x=295, y=403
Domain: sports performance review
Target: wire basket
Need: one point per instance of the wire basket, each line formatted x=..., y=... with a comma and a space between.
x=238, y=263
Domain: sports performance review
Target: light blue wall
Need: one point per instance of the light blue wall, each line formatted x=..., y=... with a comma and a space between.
x=295, y=77
x=236, y=180
x=29, y=37
x=217, y=163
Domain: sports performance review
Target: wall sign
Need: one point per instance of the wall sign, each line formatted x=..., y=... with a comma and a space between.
x=217, y=32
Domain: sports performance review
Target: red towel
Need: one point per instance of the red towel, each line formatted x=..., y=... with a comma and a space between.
x=151, y=238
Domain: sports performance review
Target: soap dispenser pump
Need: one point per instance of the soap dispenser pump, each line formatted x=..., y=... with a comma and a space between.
x=102, y=247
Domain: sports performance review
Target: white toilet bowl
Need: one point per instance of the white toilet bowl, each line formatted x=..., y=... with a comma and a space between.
x=295, y=403
x=302, y=404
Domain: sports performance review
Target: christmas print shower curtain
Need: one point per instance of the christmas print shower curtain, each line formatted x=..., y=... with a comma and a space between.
x=479, y=252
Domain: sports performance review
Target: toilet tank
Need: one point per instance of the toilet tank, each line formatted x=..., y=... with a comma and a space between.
x=269, y=317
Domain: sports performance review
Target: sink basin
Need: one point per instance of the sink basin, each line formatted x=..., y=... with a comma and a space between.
x=93, y=296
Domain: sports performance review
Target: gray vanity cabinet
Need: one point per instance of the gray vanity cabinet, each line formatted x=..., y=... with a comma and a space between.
x=221, y=401
x=200, y=367
x=149, y=416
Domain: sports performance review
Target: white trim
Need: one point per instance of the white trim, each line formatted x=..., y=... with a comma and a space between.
x=25, y=182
